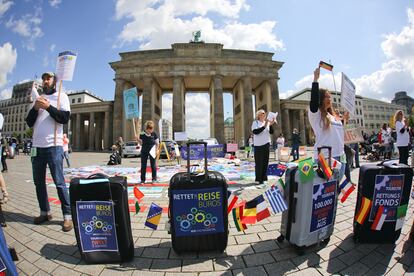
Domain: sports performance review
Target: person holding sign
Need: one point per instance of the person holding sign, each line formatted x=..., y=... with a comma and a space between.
x=262, y=128
x=47, y=116
x=403, y=136
x=326, y=123
x=149, y=142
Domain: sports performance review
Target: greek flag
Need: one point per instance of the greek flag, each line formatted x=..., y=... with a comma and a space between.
x=275, y=198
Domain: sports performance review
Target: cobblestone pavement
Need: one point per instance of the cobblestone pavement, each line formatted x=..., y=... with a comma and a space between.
x=45, y=249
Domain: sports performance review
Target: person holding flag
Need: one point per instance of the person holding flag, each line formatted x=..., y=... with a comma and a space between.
x=48, y=114
x=325, y=122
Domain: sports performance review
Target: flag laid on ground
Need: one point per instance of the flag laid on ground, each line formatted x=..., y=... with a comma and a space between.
x=275, y=198
x=249, y=212
x=276, y=169
x=137, y=208
x=363, y=210
x=154, y=216
x=324, y=166
x=401, y=211
x=379, y=218
x=237, y=216
x=231, y=201
x=346, y=188
x=262, y=210
x=305, y=168
x=281, y=185
x=325, y=65
x=138, y=194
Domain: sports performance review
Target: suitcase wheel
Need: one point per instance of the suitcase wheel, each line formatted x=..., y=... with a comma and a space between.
x=300, y=250
x=355, y=238
x=281, y=238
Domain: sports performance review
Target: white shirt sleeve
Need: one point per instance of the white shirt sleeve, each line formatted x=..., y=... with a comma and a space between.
x=64, y=102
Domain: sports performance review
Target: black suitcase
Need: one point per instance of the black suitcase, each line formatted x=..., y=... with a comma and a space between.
x=198, y=209
x=388, y=184
x=101, y=218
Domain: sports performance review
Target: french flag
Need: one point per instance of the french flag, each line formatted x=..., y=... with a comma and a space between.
x=379, y=218
x=346, y=189
x=231, y=201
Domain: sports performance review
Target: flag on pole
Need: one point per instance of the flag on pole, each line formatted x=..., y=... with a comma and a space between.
x=138, y=194
x=324, y=165
x=305, y=168
x=154, y=216
x=346, y=188
x=276, y=169
x=379, y=218
x=325, y=65
x=281, y=185
x=237, y=216
x=336, y=164
x=262, y=209
x=401, y=212
x=137, y=208
x=231, y=201
x=275, y=198
x=363, y=210
x=249, y=212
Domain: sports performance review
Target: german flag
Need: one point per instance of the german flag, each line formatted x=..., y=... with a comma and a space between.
x=363, y=210
x=324, y=165
x=325, y=65
x=250, y=212
x=237, y=216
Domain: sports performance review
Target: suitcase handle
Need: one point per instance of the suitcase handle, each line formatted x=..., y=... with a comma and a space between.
x=205, y=156
x=97, y=177
x=330, y=154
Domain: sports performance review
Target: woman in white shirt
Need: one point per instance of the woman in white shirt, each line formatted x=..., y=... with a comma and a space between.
x=262, y=129
x=326, y=124
x=386, y=140
x=280, y=142
x=403, y=136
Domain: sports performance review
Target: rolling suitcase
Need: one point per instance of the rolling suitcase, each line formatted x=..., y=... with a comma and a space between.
x=101, y=218
x=311, y=208
x=385, y=184
x=198, y=209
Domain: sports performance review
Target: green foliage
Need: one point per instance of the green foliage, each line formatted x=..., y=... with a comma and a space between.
x=29, y=133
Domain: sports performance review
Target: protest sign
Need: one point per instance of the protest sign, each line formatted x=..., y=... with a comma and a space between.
x=348, y=94
x=131, y=103
x=65, y=65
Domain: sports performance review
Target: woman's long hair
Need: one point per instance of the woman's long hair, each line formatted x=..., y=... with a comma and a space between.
x=326, y=122
x=398, y=116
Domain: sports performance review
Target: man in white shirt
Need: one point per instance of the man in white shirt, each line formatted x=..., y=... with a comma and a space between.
x=49, y=113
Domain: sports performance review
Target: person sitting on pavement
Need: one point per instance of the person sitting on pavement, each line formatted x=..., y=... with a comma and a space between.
x=114, y=158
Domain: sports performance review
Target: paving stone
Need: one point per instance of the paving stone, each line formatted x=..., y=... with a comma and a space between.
x=280, y=268
x=330, y=252
x=28, y=268
x=330, y=267
x=116, y=271
x=258, y=259
x=310, y=271
x=67, y=261
x=216, y=273
x=46, y=265
x=351, y=257
x=197, y=265
x=249, y=238
x=237, y=250
x=265, y=246
x=228, y=263
x=89, y=269
x=166, y=265
x=63, y=271
x=29, y=256
x=157, y=253
x=397, y=269
x=186, y=255
x=284, y=254
x=138, y=263
x=148, y=242
x=307, y=260
x=407, y=258
x=357, y=268
x=371, y=259
x=147, y=273
x=256, y=271
x=378, y=269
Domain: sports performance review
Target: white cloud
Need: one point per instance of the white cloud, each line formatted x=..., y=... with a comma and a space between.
x=167, y=106
x=6, y=93
x=159, y=23
x=197, y=112
x=55, y=3
x=4, y=6
x=52, y=47
x=8, y=57
x=27, y=26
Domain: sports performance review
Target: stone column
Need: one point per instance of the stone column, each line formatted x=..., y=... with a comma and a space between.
x=247, y=106
x=147, y=101
x=98, y=132
x=218, y=109
x=118, y=108
x=286, y=124
x=91, y=131
x=78, y=132
x=178, y=106
x=302, y=129
x=106, y=131
x=274, y=90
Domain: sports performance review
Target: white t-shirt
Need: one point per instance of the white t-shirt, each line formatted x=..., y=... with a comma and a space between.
x=402, y=138
x=263, y=137
x=280, y=142
x=332, y=136
x=44, y=127
x=385, y=136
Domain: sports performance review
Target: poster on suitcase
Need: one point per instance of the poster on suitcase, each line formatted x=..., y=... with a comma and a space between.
x=388, y=193
x=96, y=226
x=323, y=204
x=198, y=212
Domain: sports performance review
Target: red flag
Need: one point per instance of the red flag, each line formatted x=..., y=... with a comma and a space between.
x=325, y=167
x=137, y=193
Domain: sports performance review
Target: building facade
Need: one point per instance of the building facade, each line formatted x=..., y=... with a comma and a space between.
x=229, y=130
x=401, y=98
x=166, y=127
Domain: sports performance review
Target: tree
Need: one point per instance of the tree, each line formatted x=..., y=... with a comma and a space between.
x=29, y=133
x=392, y=123
x=411, y=121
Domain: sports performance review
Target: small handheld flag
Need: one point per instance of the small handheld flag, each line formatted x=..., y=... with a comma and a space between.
x=275, y=198
x=379, y=218
x=137, y=208
x=249, y=212
x=346, y=188
x=231, y=201
x=276, y=169
x=363, y=210
x=305, y=168
x=281, y=185
x=324, y=166
x=325, y=65
x=401, y=212
x=138, y=194
x=154, y=216
x=262, y=210
x=237, y=215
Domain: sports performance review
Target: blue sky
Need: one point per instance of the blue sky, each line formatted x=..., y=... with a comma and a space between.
x=370, y=41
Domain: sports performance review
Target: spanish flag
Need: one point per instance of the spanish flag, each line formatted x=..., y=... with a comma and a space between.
x=324, y=165
x=363, y=210
x=325, y=65
x=237, y=216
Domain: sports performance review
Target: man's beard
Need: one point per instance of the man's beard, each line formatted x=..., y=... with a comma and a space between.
x=48, y=90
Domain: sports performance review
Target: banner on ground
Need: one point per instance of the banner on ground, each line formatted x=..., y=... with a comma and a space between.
x=65, y=65
x=197, y=151
x=96, y=221
x=348, y=94
x=131, y=103
x=387, y=193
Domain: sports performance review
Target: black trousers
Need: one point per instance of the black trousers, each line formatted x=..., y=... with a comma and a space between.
x=261, y=159
x=403, y=151
x=144, y=159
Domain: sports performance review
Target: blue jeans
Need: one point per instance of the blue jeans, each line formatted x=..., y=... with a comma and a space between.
x=53, y=157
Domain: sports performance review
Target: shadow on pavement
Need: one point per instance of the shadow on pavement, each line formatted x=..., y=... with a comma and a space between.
x=23, y=218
